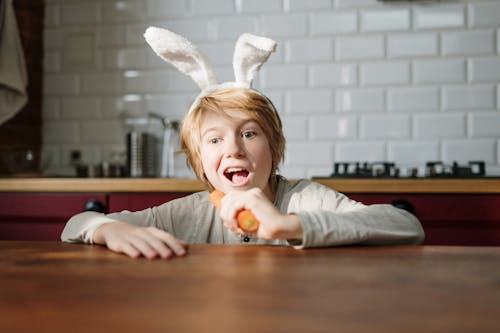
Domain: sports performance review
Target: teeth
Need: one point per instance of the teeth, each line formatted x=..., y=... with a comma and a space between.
x=234, y=169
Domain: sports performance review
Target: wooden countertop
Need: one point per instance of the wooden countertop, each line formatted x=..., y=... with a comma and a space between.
x=55, y=287
x=470, y=186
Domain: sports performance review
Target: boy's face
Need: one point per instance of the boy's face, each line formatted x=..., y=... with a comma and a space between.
x=235, y=152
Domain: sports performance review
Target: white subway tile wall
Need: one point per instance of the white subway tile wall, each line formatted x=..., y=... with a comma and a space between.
x=353, y=80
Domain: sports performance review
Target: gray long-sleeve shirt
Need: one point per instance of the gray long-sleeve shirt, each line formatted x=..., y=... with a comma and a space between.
x=328, y=217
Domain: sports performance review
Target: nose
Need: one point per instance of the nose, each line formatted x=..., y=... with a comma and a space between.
x=234, y=147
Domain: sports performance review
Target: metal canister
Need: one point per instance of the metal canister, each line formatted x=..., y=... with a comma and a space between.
x=141, y=154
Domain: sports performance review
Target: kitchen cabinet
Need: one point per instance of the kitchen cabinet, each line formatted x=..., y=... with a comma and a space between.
x=452, y=212
x=449, y=219
x=140, y=201
x=41, y=216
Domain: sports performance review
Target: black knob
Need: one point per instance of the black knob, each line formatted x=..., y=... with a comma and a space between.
x=94, y=205
x=403, y=204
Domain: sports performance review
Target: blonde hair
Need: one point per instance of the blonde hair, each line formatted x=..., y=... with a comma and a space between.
x=258, y=107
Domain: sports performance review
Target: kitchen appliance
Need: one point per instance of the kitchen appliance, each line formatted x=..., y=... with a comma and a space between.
x=433, y=169
x=141, y=149
x=170, y=145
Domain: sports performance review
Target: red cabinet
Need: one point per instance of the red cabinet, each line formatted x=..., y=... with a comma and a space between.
x=40, y=216
x=450, y=219
x=140, y=201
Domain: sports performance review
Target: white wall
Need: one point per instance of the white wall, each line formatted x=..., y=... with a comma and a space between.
x=352, y=79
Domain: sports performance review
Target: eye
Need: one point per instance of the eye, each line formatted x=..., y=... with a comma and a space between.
x=214, y=141
x=249, y=134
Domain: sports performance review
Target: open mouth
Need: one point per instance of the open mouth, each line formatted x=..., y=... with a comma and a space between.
x=237, y=176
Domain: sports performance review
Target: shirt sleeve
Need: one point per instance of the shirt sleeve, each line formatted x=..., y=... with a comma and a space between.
x=330, y=218
x=81, y=227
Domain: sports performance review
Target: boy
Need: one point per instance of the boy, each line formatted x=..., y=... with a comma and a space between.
x=233, y=140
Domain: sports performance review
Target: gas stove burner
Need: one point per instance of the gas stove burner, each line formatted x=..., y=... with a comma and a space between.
x=436, y=169
x=441, y=170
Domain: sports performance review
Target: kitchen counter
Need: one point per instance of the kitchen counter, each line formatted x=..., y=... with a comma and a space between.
x=469, y=186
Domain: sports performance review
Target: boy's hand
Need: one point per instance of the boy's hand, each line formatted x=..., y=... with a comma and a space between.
x=135, y=241
x=273, y=223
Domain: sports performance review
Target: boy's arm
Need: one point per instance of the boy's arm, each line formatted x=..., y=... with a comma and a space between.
x=131, y=233
x=81, y=227
x=330, y=218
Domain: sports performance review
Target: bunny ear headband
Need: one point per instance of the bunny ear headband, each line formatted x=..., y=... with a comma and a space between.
x=249, y=54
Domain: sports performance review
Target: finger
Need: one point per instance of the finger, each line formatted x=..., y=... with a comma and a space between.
x=156, y=244
x=129, y=250
x=173, y=243
x=143, y=247
x=184, y=243
x=231, y=225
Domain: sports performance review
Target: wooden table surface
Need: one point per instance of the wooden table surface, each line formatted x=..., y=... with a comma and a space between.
x=55, y=287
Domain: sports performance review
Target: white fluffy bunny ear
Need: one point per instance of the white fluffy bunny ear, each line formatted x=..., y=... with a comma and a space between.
x=250, y=53
x=181, y=53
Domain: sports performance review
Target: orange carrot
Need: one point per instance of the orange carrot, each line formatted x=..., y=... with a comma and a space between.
x=246, y=220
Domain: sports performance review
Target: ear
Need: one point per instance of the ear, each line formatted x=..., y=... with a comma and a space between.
x=250, y=53
x=182, y=54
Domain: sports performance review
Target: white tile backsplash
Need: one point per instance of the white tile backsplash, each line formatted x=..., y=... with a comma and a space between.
x=102, y=83
x=288, y=76
x=439, y=70
x=102, y=132
x=80, y=13
x=279, y=25
x=469, y=97
x=332, y=22
x=52, y=15
x=52, y=62
x=463, y=151
x=392, y=126
x=353, y=80
x=484, y=69
x=413, y=99
x=296, y=5
x=309, y=154
x=353, y=151
x=484, y=124
x=124, y=11
x=449, y=125
x=80, y=108
x=334, y=127
x=359, y=47
x=484, y=14
x=161, y=9
x=356, y=3
x=60, y=85
x=360, y=100
x=309, y=101
x=229, y=28
x=385, y=20
x=60, y=132
x=412, y=153
x=213, y=7
x=333, y=75
x=308, y=50
x=467, y=42
x=385, y=73
x=412, y=45
x=51, y=109
x=259, y=6
x=439, y=16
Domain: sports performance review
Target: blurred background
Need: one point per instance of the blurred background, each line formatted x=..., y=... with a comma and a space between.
x=406, y=82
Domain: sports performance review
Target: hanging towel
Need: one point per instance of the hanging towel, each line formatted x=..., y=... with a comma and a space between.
x=13, y=76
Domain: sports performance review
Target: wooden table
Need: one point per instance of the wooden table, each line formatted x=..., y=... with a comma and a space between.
x=55, y=287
